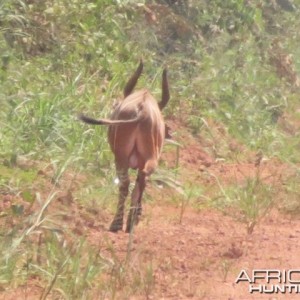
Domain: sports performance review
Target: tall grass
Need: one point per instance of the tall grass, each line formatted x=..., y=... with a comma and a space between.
x=58, y=58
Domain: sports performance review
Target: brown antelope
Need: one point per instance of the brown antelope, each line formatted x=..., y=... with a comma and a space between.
x=136, y=133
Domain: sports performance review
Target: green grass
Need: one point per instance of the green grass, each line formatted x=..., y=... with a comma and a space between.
x=248, y=201
x=290, y=198
x=60, y=58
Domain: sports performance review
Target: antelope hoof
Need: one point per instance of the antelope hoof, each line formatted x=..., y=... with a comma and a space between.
x=128, y=228
x=115, y=226
x=131, y=222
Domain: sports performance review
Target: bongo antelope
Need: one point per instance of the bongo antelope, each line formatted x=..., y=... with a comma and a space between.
x=136, y=134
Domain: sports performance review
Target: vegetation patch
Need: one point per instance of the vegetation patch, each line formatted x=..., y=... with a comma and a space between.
x=234, y=114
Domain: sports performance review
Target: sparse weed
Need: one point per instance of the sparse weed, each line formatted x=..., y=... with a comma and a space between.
x=226, y=266
x=191, y=197
x=248, y=202
x=291, y=197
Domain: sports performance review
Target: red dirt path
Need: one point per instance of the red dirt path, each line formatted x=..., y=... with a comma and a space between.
x=201, y=257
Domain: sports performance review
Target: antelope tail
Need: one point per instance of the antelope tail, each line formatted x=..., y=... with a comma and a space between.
x=92, y=121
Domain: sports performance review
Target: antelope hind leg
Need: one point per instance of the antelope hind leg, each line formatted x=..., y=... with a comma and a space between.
x=117, y=223
x=136, y=202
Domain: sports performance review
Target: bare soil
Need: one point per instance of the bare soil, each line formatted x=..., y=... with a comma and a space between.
x=200, y=255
